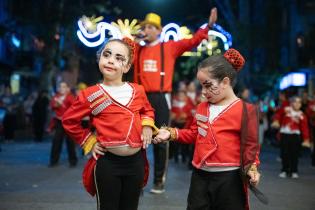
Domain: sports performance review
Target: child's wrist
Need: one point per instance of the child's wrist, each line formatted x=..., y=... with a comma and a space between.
x=253, y=168
x=173, y=133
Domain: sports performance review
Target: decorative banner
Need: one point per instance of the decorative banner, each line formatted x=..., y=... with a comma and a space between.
x=103, y=31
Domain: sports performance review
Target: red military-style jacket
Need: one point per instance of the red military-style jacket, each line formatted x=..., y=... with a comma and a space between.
x=218, y=143
x=59, y=109
x=115, y=124
x=147, y=65
x=183, y=113
x=310, y=112
x=292, y=122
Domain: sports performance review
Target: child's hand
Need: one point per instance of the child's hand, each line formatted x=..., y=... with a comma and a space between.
x=163, y=135
x=146, y=136
x=275, y=124
x=254, y=176
x=213, y=17
x=98, y=149
x=306, y=144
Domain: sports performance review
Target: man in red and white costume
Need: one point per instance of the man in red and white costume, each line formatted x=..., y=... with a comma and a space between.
x=154, y=69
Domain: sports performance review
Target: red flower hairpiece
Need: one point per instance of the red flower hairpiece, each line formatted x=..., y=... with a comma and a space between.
x=131, y=44
x=235, y=58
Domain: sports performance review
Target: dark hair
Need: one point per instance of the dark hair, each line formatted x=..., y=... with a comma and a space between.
x=294, y=98
x=219, y=67
x=100, y=50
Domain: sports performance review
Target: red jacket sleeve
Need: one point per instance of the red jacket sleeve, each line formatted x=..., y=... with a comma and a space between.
x=188, y=136
x=304, y=128
x=184, y=45
x=251, y=147
x=72, y=118
x=278, y=115
x=53, y=103
x=70, y=99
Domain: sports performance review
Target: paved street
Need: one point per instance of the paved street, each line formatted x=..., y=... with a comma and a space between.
x=26, y=183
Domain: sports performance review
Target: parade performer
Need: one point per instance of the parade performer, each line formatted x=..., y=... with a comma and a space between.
x=123, y=120
x=59, y=104
x=293, y=125
x=225, y=133
x=310, y=113
x=154, y=69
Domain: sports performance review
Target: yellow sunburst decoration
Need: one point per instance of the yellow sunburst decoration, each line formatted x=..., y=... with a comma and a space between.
x=127, y=28
x=185, y=33
x=90, y=23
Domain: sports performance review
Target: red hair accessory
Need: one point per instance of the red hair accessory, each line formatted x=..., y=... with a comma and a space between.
x=235, y=58
x=131, y=44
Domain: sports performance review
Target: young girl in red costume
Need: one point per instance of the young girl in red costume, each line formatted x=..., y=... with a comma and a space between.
x=293, y=126
x=218, y=132
x=123, y=119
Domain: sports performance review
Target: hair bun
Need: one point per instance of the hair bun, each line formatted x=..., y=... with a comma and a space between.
x=131, y=44
x=235, y=58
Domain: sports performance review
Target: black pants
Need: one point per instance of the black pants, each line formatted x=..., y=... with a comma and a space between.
x=57, y=145
x=9, y=126
x=118, y=181
x=216, y=191
x=290, y=150
x=38, y=129
x=160, y=151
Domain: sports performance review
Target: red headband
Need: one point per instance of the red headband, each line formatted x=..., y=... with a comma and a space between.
x=235, y=58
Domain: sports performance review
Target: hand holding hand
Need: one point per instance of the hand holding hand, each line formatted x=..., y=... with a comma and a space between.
x=162, y=136
x=146, y=136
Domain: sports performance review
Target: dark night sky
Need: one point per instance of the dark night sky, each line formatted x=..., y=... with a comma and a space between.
x=188, y=12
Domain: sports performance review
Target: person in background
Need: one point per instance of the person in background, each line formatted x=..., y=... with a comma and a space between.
x=154, y=69
x=59, y=104
x=10, y=103
x=245, y=95
x=28, y=104
x=39, y=115
x=293, y=126
x=310, y=113
x=181, y=117
x=305, y=101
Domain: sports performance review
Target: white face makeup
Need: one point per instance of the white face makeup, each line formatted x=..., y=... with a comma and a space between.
x=212, y=90
x=114, y=61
